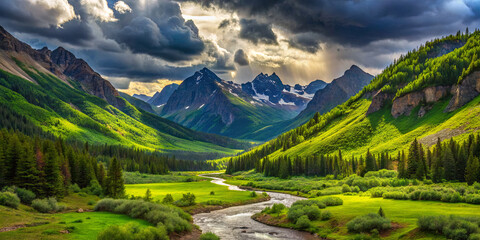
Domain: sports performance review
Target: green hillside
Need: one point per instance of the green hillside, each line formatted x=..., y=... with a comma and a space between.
x=73, y=114
x=348, y=127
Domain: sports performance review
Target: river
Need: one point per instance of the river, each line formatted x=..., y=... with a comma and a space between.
x=235, y=223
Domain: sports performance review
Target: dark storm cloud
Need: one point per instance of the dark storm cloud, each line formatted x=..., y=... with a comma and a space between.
x=357, y=22
x=309, y=42
x=257, y=32
x=241, y=58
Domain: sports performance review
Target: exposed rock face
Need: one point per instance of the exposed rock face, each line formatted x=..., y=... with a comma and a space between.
x=337, y=92
x=64, y=65
x=314, y=86
x=379, y=100
x=162, y=97
x=405, y=104
x=466, y=91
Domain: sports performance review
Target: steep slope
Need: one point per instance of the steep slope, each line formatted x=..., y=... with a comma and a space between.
x=160, y=98
x=432, y=92
x=64, y=96
x=337, y=92
x=326, y=98
x=205, y=102
x=142, y=97
x=138, y=103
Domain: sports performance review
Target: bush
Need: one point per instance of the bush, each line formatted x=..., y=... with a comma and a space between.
x=212, y=193
x=368, y=222
x=312, y=212
x=209, y=236
x=9, y=199
x=453, y=227
x=332, y=201
x=253, y=194
x=174, y=219
x=46, y=205
x=214, y=202
x=277, y=208
x=168, y=199
x=303, y=222
x=451, y=197
x=26, y=196
x=472, y=198
x=187, y=200
x=319, y=204
x=91, y=202
x=346, y=188
x=326, y=215
x=94, y=188
x=75, y=188
x=133, y=232
x=395, y=195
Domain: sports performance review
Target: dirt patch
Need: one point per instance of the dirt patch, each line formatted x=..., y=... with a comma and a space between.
x=200, y=208
x=395, y=226
x=192, y=235
x=443, y=134
x=15, y=227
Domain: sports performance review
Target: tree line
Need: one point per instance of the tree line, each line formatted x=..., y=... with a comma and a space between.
x=446, y=161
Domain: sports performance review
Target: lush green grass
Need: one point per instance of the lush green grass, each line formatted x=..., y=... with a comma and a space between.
x=201, y=190
x=141, y=178
x=355, y=132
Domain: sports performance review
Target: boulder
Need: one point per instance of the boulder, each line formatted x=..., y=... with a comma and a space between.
x=464, y=92
x=378, y=101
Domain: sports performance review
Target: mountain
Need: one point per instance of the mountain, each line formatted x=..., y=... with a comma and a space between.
x=428, y=94
x=270, y=90
x=337, y=92
x=207, y=103
x=142, y=97
x=314, y=86
x=324, y=99
x=160, y=98
x=64, y=96
x=138, y=103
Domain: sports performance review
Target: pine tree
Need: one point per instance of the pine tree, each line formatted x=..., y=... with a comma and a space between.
x=369, y=161
x=114, y=182
x=413, y=159
x=381, y=212
x=437, y=172
x=53, y=179
x=473, y=170
x=449, y=164
x=148, y=196
x=27, y=175
x=101, y=174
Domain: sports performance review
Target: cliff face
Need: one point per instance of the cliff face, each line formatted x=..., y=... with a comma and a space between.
x=405, y=104
x=464, y=92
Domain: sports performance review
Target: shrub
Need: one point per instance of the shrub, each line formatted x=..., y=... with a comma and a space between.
x=451, y=197
x=312, y=212
x=133, y=232
x=26, y=196
x=91, y=202
x=9, y=199
x=168, y=199
x=332, y=201
x=319, y=204
x=368, y=222
x=303, y=222
x=46, y=205
x=475, y=236
x=326, y=215
x=214, y=202
x=187, y=200
x=174, y=219
x=453, y=227
x=253, y=194
x=277, y=208
x=346, y=188
x=75, y=188
x=472, y=198
x=395, y=195
x=94, y=188
x=209, y=236
x=212, y=193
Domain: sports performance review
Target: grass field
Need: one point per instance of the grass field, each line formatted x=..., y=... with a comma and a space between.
x=200, y=189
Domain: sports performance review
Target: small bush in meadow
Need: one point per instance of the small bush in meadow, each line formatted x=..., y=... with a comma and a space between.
x=187, y=200
x=253, y=194
x=452, y=227
x=326, y=215
x=320, y=204
x=94, y=188
x=9, y=199
x=209, y=236
x=26, y=196
x=332, y=201
x=214, y=202
x=346, y=188
x=212, y=193
x=303, y=222
x=472, y=198
x=277, y=208
x=91, y=202
x=133, y=232
x=47, y=205
x=168, y=199
x=368, y=222
x=75, y=188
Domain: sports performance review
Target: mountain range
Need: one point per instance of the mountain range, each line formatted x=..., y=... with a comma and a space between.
x=205, y=102
x=64, y=96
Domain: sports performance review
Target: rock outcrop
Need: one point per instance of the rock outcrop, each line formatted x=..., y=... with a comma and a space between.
x=379, y=100
x=405, y=104
x=464, y=92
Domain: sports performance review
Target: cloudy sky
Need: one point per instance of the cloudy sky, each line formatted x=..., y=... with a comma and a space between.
x=141, y=45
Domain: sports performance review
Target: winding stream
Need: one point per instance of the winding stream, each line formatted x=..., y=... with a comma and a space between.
x=235, y=223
